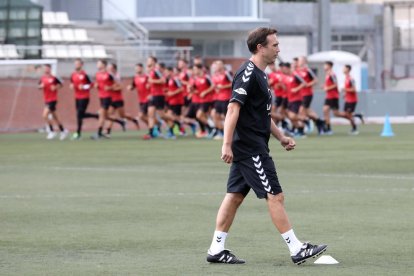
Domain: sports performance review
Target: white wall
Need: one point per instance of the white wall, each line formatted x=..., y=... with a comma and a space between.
x=124, y=9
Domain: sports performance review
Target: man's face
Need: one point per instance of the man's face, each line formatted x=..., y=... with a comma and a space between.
x=345, y=70
x=150, y=62
x=271, y=50
x=100, y=65
x=326, y=67
x=78, y=65
x=46, y=69
x=139, y=69
x=181, y=64
x=110, y=68
x=302, y=62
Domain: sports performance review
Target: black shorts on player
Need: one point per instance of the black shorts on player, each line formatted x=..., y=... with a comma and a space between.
x=51, y=106
x=192, y=110
x=143, y=107
x=105, y=102
x=350, y=107
x=81, y=105
x=332, y=103
x=294, y=106
x=306, y=101
x=176, y=109
x=117, y=104
x=187, y=101
x=158, y=102
x=221, y=106
x=205, y=107
x=257, y=173
x=285, y=103
x=278, y=101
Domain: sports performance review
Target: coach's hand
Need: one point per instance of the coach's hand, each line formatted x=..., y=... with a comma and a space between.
x=226, y=154
x=288, y=143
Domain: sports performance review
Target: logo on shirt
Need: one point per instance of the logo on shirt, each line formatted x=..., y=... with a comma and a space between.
x=248, y=72
x=269, y=107
x=240, y=91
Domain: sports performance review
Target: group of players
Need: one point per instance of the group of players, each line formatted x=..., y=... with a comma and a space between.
x=189, y=96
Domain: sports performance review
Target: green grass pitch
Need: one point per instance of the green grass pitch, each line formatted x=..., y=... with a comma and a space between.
x=133, y=207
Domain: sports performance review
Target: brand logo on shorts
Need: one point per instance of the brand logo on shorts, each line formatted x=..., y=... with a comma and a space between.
x=260, y=171
x=240, y=91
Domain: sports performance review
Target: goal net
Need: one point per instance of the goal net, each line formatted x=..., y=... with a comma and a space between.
x=20, y=101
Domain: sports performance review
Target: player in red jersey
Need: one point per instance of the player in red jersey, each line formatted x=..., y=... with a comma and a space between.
x=307, y=93
x=50, y=85
x=156, y=105
x=222, y=80
x=332, y=99
x=294, y=83
x=104, y=82
x=117, y=100
x=175, y=100
x=140, y=83
x=275, y=80
x=204, y=90
x=184, y=76
x=81, y=84
x=351, y=98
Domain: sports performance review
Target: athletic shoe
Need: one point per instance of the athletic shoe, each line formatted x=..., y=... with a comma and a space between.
x=354, y=132
x=308, y=251
x=63, y=134
x=225, y=257
x=300, y=136
x=51, y=135
x=328, y=132
x=170, y=135
x=212, y=133
x=182, y=131
x=201, y=134
x=320, y=126
x=123, y=125
x=156, y=132
x=219, y=136
x=193, y=129
x=147, y=137
x=99, y=137
x=75, y=136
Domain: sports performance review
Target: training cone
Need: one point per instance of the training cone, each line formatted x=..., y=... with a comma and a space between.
x=387, y=129
x=326, y=259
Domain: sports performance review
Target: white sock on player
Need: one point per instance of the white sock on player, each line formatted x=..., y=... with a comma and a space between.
x=217, y=245
x=292, y=242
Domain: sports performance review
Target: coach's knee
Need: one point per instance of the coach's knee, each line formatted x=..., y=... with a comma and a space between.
x=235, y=198
x=279, y=198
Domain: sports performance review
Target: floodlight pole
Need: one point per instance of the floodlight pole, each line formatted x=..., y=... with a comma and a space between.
x=324, y=25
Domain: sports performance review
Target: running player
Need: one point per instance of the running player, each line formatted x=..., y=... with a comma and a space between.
x=175, y=101
x=351, y=98
x=204, y=89
x=81, y=84
x=117, y=100
x=104, y=82
x=276, y=83
x=140, y=83
x=247, y=130
x=294, y=83
x=156, y=105
x=222, y=80
x=184, y=76
x=332, y=99
x=50, y=86
x=307, y=93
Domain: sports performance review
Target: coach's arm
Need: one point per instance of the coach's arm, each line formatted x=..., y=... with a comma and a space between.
x=287, y=142
x=233, y=110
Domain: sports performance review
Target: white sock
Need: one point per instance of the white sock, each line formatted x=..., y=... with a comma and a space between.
x=292, y=242
x=217, y=245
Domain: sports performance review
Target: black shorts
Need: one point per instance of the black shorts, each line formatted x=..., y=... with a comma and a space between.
x=306, y=101
x=279, y=101
x=205, y=107
x=192, y=110
x=221, y=106
x=350, y=107
x=117, y=104
x=105, y=102
x=143, y=107
x=51, y=105
x=176, y=109
x=285, y=103
x=81, y=105
x=187, y=101
x=332, y=103
x=294, y=106
x=257, y=173
x=158, y=102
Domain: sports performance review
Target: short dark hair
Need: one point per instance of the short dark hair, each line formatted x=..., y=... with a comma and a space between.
x=115, y=66
x=47, y=65
x=162, y=65
x=259, y=36
x=153, y=59
x=198, y=65
x=183, y=60
x=330, y=63
x=79, y=59
x=169, y=68
x=295, y=59
x=287, y=64
x=349, y=67
x=103, y=61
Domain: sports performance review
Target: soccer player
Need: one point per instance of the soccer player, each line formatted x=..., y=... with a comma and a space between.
x=50, y=86
x=117, y=100
x=81, y=84
x=184, y=76
x=247, y=130
x=140, y=83
x=156, y=106
x=307, y=93
x=175, y=101
x=104, y=82
x=332, y=99
x=351, y=98
x=204, y=89
x=222, y=80
x=276, y=83
x=294, y=83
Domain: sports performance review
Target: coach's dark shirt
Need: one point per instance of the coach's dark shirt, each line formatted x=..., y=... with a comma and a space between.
x=251, y=91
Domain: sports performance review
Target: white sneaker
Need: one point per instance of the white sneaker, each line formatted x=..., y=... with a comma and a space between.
x=354, y=132
x=51, y=135
x=63, y=134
